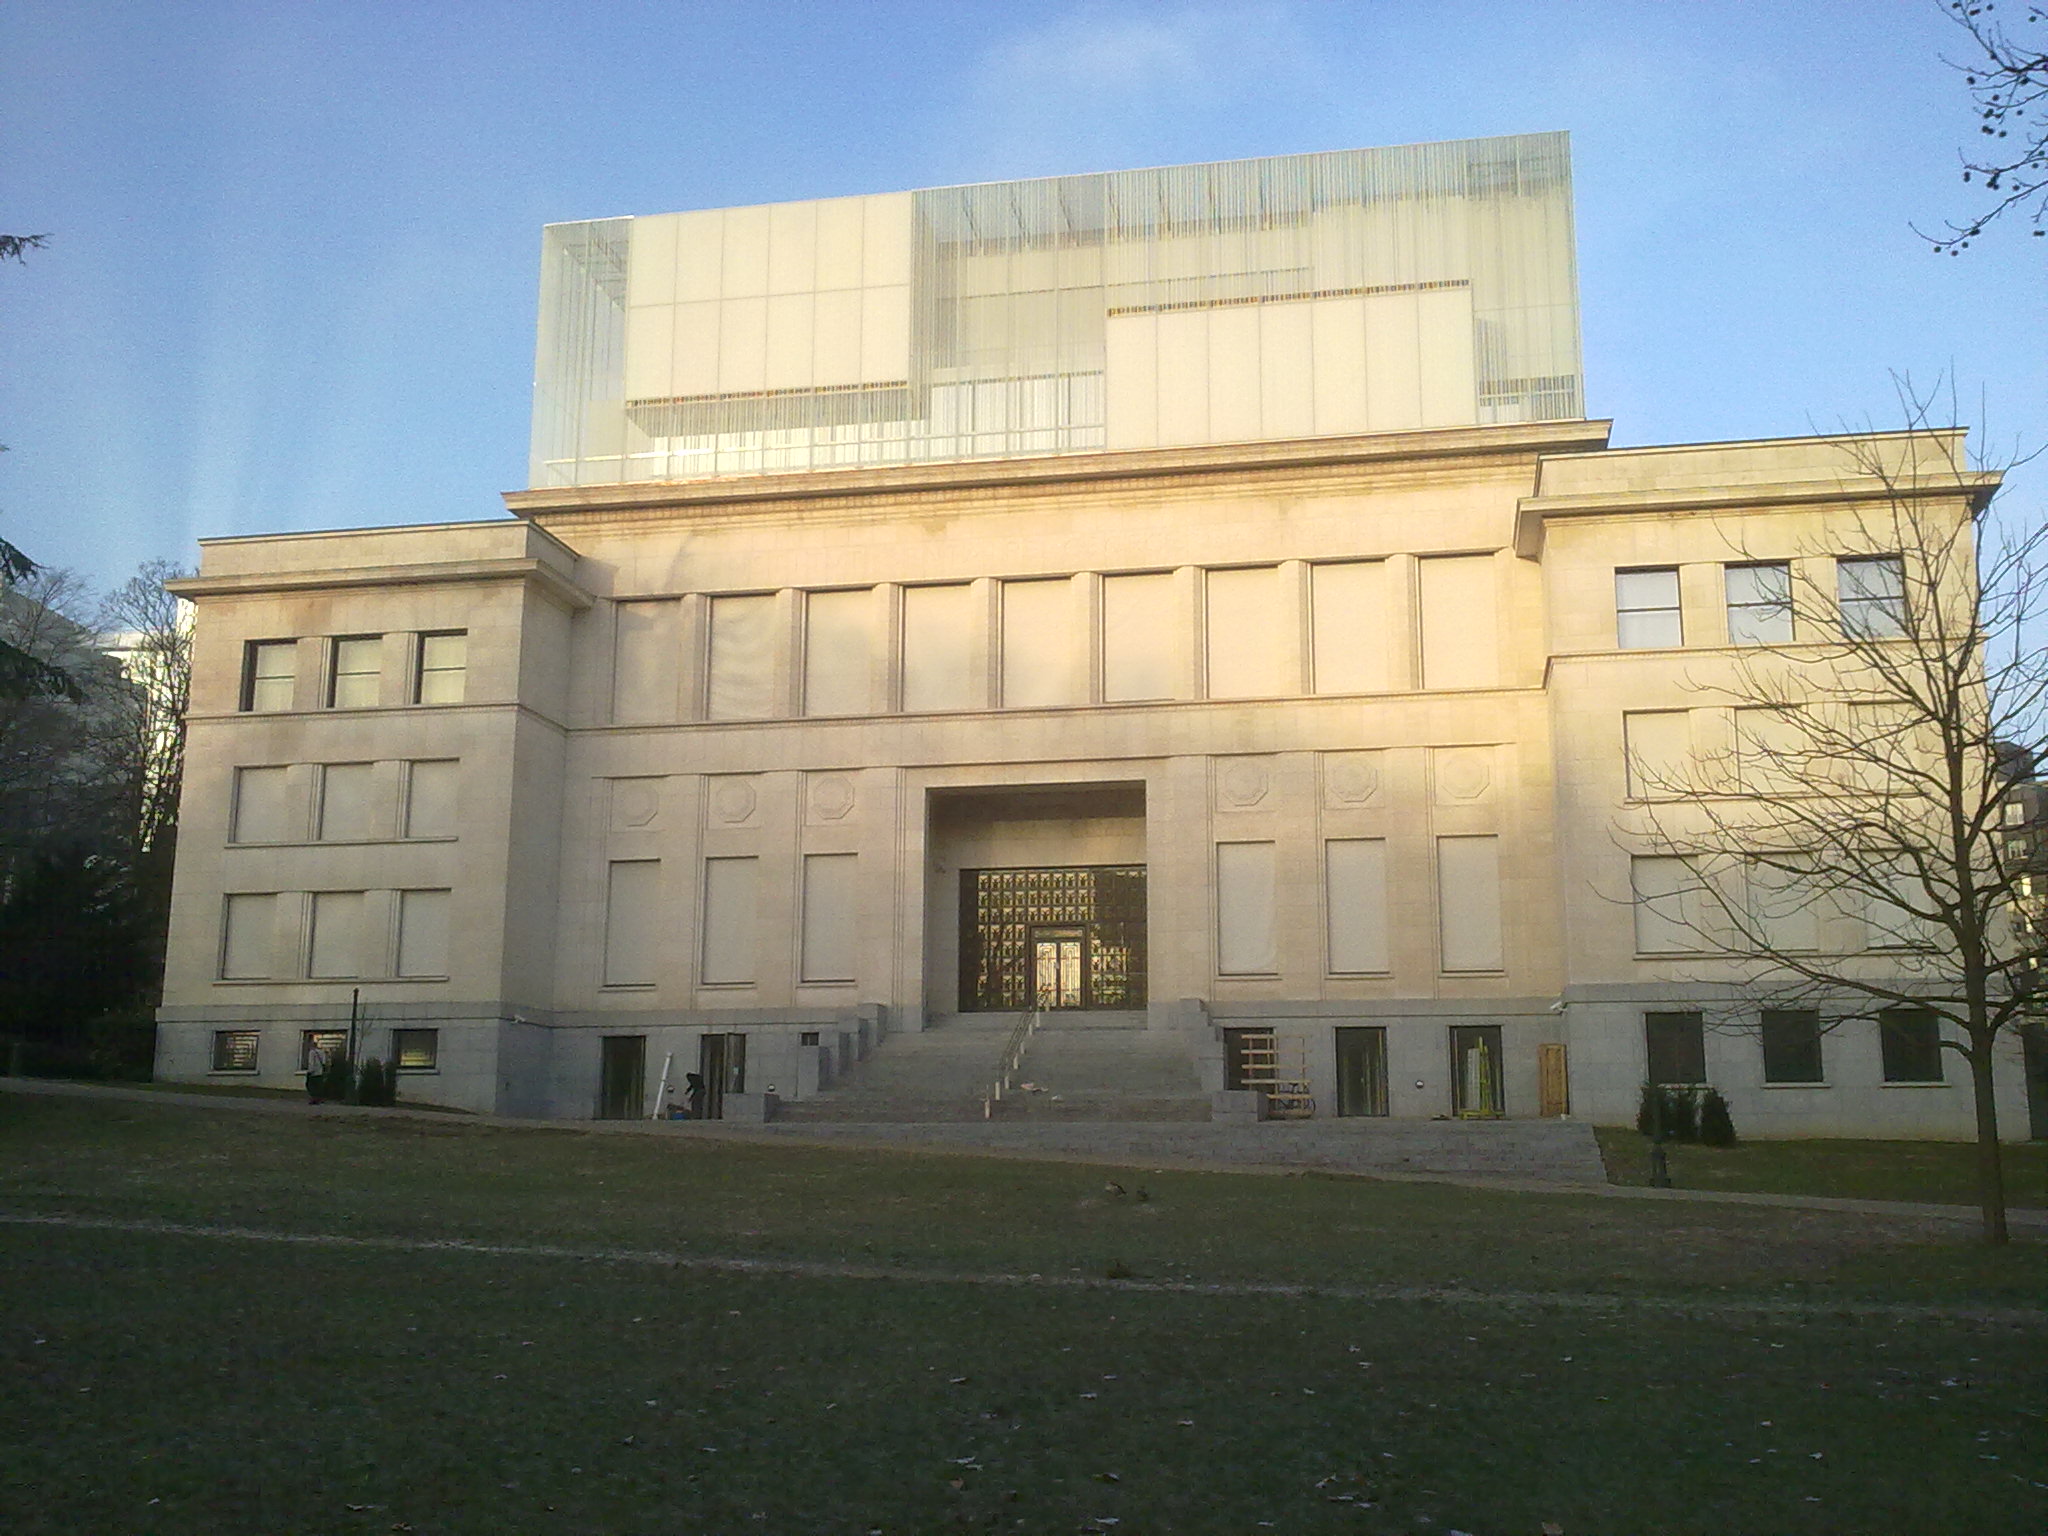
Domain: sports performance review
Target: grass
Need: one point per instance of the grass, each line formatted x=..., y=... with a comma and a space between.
x=260, y=1386
x=1934, y=1172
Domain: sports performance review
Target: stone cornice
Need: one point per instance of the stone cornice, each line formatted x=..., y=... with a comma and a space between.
x=1383, y=449
x=422, y=574
x=1532, y=512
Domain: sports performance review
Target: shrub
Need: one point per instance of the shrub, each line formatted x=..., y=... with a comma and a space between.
x=375, y=1083
x=1680, y=1108
x=1717, y=1129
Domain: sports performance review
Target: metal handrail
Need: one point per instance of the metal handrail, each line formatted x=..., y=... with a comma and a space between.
x=1012, y=1058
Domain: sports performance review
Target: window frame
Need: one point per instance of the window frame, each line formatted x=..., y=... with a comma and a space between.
x=1670, y=1018
x=1807, y=1022
x=1772, y=608
x=224, y=1042
x=421, y=671
x=400, y=1038
x=335, y=1040
x=1897, y=1052
x=335, y=674
x=1622, y=613
x=252, y=651
x=1865, y=602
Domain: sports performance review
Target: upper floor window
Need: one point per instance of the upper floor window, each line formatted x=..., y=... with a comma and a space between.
x=353, y=671
x=443, y=667
x=1872, y=592
x=267, y=674
x=1646, y=608
x=1759, y=603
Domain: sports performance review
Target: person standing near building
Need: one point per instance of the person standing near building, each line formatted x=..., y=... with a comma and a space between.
x=317, y=1063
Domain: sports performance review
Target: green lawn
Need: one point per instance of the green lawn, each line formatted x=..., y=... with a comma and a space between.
x=1622, y=1367
x=1941, y=1172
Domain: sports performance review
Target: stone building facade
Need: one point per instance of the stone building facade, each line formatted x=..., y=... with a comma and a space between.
x=1194, y=595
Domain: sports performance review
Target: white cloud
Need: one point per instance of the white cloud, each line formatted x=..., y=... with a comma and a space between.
x=1098, y=79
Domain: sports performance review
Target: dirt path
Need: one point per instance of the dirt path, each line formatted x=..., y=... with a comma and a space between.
x=1761, y=1308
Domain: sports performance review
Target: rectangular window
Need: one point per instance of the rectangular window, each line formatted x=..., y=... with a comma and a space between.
x=1348, y=624
x=248, y=942
x=742, y=662
x=1460, y=598
x=1646, y=609
x=430, y=797
x=1791, y=1042
x=731, y=921
x=335, y=953
x=1759, y=603
x=829, y=919
x=1142, y=640
x=839, y=653
x=353, y=663
x=234, y=1050
x=1041, y=645
x=263, y=807
x=1252, y=645
x=346, y=812
x=1872, y=592
x=1658, y=743
x=1244, y=910
x=1468, y=902
x=632, y=887
x=1910, y=1039
x=940, y=628
x=442, y=671
x=269, y=674
x=423, y=933
x=333, y=1041
x=1355, y=894
x=1668, y=910
x=416, y=1050
x=1677, y=1047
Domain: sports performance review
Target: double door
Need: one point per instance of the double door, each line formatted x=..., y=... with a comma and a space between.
x=1059, y=968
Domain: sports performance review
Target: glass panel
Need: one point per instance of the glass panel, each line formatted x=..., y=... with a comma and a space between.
x=444, y=660
x=1791, y=1046
x=1873, y=597
x=742, y=658
x=354, y=684
x=1759, y=604
x=1676, y=1044
x=1646, y=609
x=271, y=682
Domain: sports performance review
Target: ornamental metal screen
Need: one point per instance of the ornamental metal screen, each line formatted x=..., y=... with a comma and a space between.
x=1004, y=911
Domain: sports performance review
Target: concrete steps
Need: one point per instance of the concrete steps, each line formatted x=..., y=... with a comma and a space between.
x=1105, y=1066
x=939, y=1073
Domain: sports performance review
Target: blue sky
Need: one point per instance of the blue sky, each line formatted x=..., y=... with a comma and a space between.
x=293, y=262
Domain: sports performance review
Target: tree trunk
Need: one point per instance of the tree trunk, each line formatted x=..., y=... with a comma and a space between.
x=1990, y=1165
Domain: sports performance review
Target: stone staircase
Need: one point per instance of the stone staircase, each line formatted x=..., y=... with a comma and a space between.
x=1104, y=1066
x=939, y=1073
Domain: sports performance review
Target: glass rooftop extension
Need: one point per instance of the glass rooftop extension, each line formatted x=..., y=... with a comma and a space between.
x=1431, y=285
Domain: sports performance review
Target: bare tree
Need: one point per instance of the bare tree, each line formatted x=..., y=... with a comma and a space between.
x=149, y=631
x=1845, y=851
x=2008, y=83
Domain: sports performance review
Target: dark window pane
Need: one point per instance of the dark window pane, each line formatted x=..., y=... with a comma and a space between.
x=1791, y=1046
x=1911, y=1042
x=1678, y=1047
